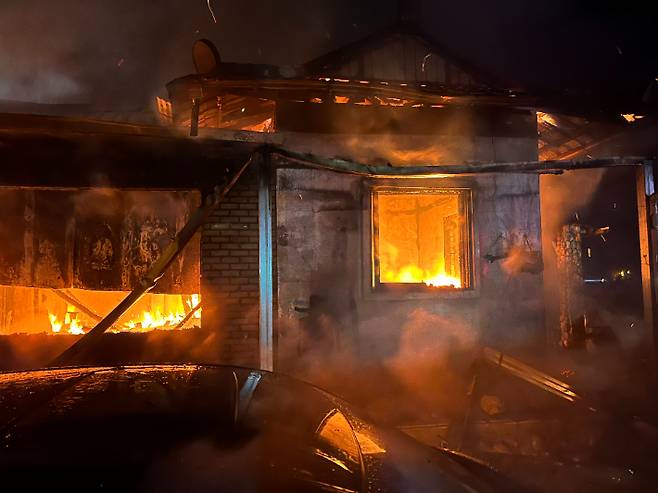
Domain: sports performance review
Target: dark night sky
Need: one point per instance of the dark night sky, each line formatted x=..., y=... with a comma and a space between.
x=123, y=51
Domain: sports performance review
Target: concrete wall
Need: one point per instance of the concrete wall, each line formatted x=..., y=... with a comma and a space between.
x=324, y=293
x=325, y=298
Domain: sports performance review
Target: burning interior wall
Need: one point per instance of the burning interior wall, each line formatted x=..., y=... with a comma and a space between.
x=69, y=257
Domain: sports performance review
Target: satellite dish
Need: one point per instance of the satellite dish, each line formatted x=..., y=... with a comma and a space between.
x=206, y=57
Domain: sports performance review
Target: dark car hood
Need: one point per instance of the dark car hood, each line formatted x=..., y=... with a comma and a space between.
x=207, y=428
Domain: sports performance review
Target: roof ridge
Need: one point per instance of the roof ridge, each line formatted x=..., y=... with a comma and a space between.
x=343, y=53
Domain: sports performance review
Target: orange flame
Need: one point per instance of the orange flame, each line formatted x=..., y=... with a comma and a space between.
x=73, y=322
x=70, y=323
x=412, y=274
x=391, y=272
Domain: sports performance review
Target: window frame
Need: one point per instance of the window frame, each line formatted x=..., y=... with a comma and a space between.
x=376, y=289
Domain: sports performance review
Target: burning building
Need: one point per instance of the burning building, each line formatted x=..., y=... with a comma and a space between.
x=77, y=241
x=330, y=238
x=347, y=249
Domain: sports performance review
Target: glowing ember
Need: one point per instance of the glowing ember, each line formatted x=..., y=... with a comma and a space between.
x=266, y=126
x=631, y=117
x=546, y=118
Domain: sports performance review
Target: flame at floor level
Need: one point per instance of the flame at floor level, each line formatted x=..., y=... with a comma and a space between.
x=69, y=323
x=158, y=316
x=415, y=275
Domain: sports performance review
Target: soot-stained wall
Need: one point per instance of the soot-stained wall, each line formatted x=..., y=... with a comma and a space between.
x=104, y=239
x=323, y=235
x=321, y=244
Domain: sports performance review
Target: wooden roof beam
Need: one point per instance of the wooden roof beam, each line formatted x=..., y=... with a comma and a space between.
x=551, y=166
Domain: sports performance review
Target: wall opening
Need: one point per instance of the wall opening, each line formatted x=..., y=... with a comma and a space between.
x=421, y=238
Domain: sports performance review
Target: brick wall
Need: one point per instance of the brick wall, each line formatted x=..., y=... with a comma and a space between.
x=229, y=273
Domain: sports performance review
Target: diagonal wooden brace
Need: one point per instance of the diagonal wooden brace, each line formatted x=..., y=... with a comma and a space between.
x=155, y=272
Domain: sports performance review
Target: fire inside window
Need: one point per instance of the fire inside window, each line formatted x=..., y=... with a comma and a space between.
x=421, y=238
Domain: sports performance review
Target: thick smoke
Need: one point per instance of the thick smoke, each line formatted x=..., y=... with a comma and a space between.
x=407, y=365
x=563, y=196
x=111, y=54
x=378, y=149
x=614, y=358
x=123, y=52
x=409, y=360
x=449, y=140
x=120, y=54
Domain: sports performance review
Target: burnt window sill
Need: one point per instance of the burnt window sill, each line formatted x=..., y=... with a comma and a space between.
x=409, y=291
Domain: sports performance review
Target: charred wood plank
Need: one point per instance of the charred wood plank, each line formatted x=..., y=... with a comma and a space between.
x=351, y=167
x=72, y=300
x=78, y=304
x=189, y=315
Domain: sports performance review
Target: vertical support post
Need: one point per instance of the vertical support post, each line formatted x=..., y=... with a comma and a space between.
x=265, y=266
x=573, y=317
x=646, y=201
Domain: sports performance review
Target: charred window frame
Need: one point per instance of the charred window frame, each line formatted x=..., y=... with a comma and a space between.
x=466, y=232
